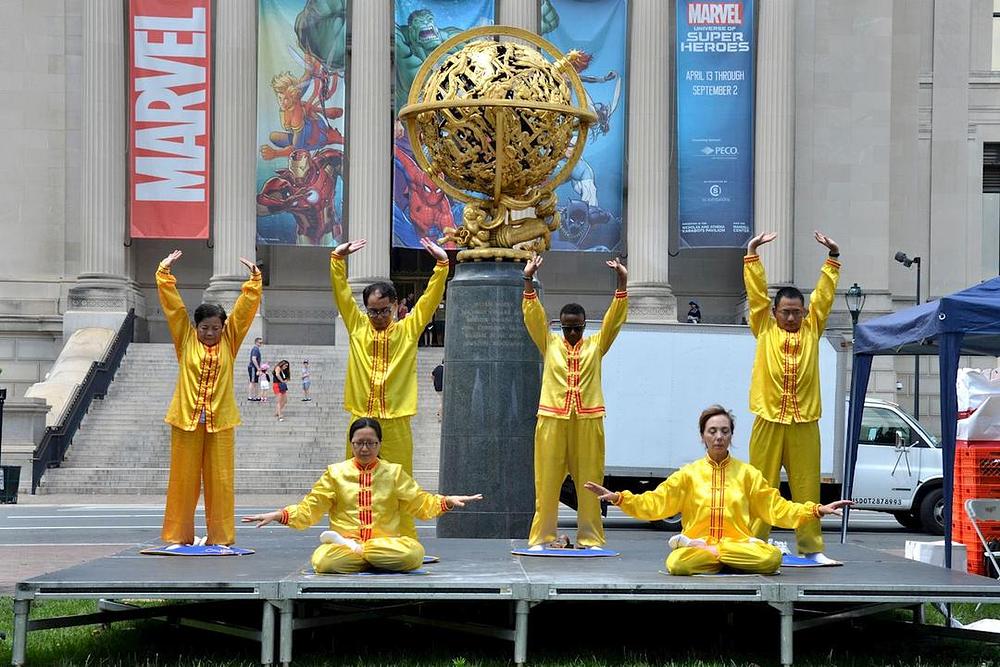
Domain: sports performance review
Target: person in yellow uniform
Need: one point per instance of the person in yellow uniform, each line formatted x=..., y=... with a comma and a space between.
x=381, y=377
x=784, y=384
x=569, y=432
x=203, y=413
x=366, y=499
x=718, y=498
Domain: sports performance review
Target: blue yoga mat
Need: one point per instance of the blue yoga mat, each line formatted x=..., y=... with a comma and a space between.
x=788, y=560
x=727, y=573
x=365, y=573
x=567, y=553
x=191, y=550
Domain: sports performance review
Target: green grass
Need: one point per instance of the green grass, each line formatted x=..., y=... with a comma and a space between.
x=564, y=635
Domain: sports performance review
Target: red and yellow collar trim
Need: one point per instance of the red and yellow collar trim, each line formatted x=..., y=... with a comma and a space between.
x=365, y=468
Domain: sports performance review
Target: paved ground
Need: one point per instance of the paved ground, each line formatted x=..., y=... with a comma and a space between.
x=47, y=532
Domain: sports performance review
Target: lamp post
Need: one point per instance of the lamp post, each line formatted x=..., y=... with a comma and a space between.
x=855, y=299
x=901, y=257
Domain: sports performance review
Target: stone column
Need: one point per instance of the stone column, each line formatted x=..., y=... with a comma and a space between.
x=519, y=14
x=650, y=297
x=234, y=153
x=774, y=142
x=368, y=143
x=103, y=292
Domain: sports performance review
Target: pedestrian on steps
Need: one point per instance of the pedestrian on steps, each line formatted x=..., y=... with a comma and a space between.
x=282, y=371
x=265, y=381
x=253, y=391
x=306, y=380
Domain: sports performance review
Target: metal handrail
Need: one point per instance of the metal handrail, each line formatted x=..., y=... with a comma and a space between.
x=51, y=451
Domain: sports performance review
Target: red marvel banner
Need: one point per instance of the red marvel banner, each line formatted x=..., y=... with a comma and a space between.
x=170, y=100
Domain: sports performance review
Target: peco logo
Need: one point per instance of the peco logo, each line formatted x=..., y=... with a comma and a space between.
x=708, y=151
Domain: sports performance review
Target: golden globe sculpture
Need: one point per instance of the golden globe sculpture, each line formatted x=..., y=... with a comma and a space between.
x=492, y=123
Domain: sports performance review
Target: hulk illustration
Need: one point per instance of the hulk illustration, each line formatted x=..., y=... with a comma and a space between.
x=321, y=28
x=420, y=35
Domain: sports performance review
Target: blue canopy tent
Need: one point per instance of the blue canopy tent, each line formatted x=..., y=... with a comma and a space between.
x=966, y=322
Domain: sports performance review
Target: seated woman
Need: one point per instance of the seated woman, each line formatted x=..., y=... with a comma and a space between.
x=717, y=497
x=365, y=498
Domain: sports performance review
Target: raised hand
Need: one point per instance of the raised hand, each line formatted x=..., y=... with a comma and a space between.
x=460, y=501
x=759, y=240
x=171, y=258
x=601, y=492
x=434, y=249
x=531, y=267
x=251, y=267
x=345, y=249
x=825, y=240
x=261, y=519
x=834, y=507
x=618, y=267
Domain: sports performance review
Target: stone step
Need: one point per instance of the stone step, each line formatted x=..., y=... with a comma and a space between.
x=155, y=483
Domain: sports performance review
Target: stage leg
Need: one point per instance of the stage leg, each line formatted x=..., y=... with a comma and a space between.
x=285, y=616
x=787, y=612
x=267, y=634
x=21, y=610
x=521, y=632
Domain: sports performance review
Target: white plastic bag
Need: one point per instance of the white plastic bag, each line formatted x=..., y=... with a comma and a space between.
x=974, y=386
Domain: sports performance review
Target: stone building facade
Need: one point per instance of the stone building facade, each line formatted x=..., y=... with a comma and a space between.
x=873, y=119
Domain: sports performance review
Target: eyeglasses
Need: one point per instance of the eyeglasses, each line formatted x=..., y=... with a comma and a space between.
x=574, y=327
x=379, y=312
x=369, y=444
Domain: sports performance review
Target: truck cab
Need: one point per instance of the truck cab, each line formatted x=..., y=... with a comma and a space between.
x=899, y=468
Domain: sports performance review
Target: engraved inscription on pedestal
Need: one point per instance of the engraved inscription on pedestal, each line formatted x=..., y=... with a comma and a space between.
x=491, y=384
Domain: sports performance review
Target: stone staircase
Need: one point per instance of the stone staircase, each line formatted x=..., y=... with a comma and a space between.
x=123, y=445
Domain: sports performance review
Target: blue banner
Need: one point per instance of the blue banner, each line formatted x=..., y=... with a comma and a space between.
x=592, y=199
x=715, y=123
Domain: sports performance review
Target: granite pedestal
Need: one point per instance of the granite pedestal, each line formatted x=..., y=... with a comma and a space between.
x=492, y=380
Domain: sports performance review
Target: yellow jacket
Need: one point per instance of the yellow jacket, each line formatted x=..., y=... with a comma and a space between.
x=571, y=379
x=784, y=385
x=382, y=365
x=205, y=374
x=364, y=502
x=717, y=501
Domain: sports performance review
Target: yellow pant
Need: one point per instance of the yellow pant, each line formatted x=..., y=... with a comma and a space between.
x=397, y=554
x=193, y=455
x=574, y=446
x=755, y=557
x=794, y=447
x=397, y=447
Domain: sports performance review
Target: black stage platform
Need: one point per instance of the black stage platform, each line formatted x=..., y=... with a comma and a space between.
x=869, y=582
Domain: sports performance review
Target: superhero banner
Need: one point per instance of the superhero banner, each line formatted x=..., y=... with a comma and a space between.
x=715, y=122
x=419, y=207
x=301, y=67
x=170, y=116
x=591, y=200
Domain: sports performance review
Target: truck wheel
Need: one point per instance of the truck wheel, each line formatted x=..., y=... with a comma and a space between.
x=932, y=512
x=671, y=524
x=908, y=520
